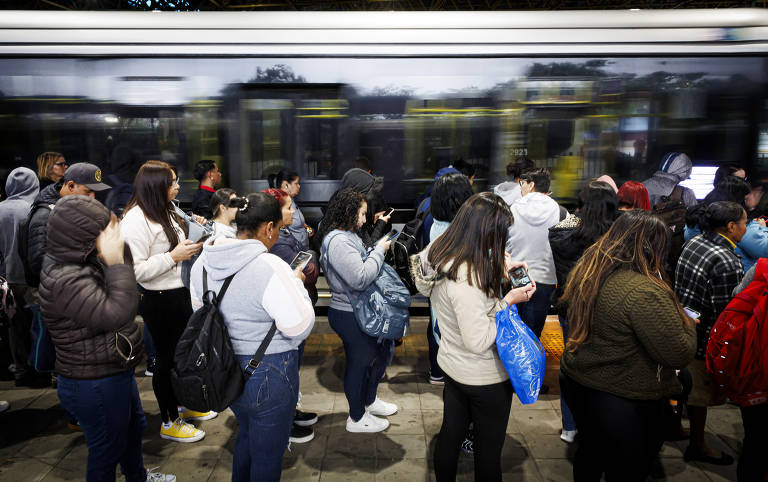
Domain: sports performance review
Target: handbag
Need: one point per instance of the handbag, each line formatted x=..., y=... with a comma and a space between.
x=381, y=309
x=521, y=353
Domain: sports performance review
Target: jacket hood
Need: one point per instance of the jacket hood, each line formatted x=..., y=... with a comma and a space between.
x=676, y=164
x=359, y=180
x=22, y=184
x=49, y=195
x=505, y=188
x=73, y=227
x=223, y=257
x=536, y=209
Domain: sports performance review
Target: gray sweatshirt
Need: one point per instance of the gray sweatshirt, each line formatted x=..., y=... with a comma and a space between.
x=21, y=188
x=346, y=254
x=297, y=227
x=264, y=289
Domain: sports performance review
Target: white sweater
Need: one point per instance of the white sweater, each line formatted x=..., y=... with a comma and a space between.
x=150, y=248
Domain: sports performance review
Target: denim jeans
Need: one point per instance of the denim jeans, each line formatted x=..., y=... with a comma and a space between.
x=366, y=361
x=265, y=412
x=433, y=342
x=534, y=312
x=110, y=414
x=567, y=416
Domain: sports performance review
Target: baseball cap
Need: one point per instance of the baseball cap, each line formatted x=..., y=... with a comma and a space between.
x=87, y=174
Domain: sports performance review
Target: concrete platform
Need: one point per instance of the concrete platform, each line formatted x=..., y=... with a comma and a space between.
x=35, y=443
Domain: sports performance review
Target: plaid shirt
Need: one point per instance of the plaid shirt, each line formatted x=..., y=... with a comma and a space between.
x=706, y=274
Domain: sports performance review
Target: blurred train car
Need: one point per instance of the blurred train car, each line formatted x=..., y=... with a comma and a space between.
x=584, y=93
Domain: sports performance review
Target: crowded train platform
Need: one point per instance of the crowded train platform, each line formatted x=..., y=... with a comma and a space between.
x=372, y=246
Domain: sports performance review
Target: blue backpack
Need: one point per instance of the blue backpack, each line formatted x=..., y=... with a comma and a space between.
x=381, y=309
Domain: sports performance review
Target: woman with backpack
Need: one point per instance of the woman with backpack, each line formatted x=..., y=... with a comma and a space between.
x=628, y=335
x=462, y=272
x=706, y=274
x=349, y=269
x=88, y=300
x=264, y=295
x=157, y=239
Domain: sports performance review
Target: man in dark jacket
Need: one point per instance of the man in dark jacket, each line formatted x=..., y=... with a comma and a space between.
x=89, y=300
x=81, y=178
x=208, y=175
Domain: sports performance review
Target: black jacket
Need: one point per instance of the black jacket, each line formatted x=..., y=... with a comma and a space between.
x=89, y=308
x=567, y=247
x=36, y=231
x=201, y=203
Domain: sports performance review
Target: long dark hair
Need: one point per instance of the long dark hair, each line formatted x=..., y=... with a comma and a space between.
x=638, y=241
x=476, y=237
x=276, y=180
x=150, y=194
x=598, y=204
x=449, y=193
x=730, y=189
x=341, y=212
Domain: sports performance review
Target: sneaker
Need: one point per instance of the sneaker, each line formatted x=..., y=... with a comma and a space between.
x=381, y=408
x=301, y=434
x=367, y=424
x=150, y=367
x=153, y=476
x=188, y=414
x=181, y=431
x=304, y=419
x=436, y=380
x=4, y=406
x=468, y=446
x=568, y=436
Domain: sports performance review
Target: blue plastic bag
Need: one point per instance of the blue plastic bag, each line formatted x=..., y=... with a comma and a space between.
x=521, y=353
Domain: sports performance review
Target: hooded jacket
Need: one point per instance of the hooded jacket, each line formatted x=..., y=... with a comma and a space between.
x=674, y=169
x=22, y=187
x=528, y=238
x=263, y=290
x=37, y=230
x=369, y=186
x=509, y=191
x=89, y=308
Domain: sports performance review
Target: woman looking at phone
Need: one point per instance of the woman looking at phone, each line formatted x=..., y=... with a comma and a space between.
x=628, y=335
x=349, y=268
x=467, y=266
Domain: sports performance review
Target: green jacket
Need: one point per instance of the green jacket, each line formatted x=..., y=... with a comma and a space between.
x=638, y=340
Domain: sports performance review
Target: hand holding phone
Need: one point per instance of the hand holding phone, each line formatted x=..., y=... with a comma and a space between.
x=693, y=314
x=300, y=261
x=519, y=277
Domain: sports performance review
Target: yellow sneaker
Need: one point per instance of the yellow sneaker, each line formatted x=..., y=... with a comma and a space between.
x=188, y=414
x=180, y=431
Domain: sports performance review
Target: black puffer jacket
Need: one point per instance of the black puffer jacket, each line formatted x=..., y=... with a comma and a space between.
x=89, y=308
x=36, y=231
x=567, y=247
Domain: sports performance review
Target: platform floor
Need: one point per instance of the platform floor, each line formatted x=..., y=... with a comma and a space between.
x=35, y=443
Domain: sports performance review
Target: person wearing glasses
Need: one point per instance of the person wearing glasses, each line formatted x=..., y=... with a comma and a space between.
x=88, y=300
x=158, y=240
x=50, y=168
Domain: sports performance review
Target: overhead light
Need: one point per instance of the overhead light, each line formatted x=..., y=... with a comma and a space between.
x=111, y=119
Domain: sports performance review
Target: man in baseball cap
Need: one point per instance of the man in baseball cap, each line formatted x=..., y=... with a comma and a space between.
x=82, y=178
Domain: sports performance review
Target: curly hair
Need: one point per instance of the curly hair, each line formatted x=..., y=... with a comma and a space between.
x=342, y=211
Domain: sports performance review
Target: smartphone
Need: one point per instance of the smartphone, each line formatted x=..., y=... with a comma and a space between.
x=301, y=260
x=390, y=212
x=390, y=235
x=519, y=277
x=692, y=313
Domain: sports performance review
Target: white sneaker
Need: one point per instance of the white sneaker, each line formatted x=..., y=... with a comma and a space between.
x=381, y=408
x=4, y=406
x=153, y=476
x=568, y=436
x=367, y=424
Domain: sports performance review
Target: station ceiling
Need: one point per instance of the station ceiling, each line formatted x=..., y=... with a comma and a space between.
x=369, y=5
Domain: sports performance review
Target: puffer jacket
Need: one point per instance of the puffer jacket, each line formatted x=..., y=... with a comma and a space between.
x=89, y=308
x=567, y=247
x=36, y=231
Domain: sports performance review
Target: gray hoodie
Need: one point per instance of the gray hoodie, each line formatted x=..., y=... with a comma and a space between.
x=675, y=168
x=22, y=188
x=263, y=290
x=509, y=191
x=528, y=238
x=350, y=267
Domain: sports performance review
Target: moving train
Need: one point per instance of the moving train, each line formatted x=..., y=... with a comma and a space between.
x=584, y=93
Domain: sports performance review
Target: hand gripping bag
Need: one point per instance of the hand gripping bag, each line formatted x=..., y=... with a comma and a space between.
x=521, y=353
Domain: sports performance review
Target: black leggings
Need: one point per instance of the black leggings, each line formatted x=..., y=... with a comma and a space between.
x=487, y=406
x=753, y=465
x=166, y=314
x=617, y=436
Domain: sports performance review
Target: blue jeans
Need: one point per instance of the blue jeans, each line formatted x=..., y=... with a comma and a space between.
x=110, y=414
x=534, y=312
x=366, y=361
x=567, y=416
x=265, y=412
x=433, y=342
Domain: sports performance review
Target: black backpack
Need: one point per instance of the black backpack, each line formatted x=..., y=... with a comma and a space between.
x=409, y=242
x=206, y=374
x=671, y=209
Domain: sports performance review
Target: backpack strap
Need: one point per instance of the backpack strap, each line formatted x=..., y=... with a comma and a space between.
x=254, y=362
x=676, y=194
x=761, y=268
